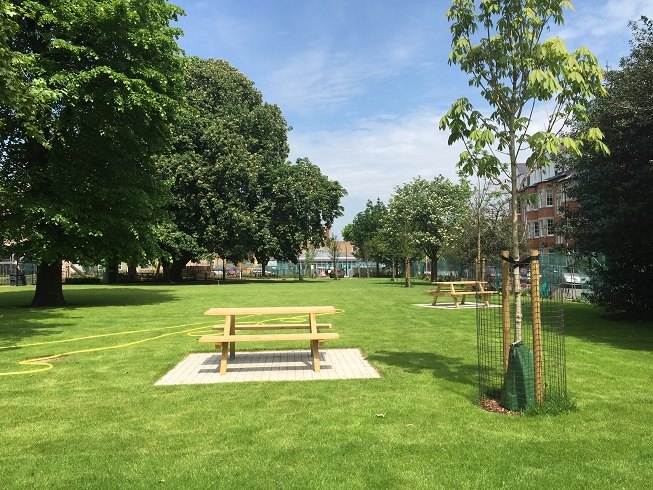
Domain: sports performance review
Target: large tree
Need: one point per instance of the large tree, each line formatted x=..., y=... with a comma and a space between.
x=364, y=232
x=614, y=218
x=228, y=146
x=501, y=45
x=101, y=80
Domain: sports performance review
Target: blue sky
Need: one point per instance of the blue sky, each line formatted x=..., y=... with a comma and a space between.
x=363, y=83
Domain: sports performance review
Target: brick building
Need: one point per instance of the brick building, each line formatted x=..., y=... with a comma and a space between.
x=546, y=192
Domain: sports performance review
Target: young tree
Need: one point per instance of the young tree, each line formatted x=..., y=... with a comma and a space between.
x=400, y=232
x=333, y=246
x=101, y=80
x=500, y=44
x=614, y=217
x=488, y=210
x=432, y=211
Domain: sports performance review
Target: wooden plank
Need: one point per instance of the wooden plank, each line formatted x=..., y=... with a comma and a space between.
x=462, y=293
x=232, y=331
x=457, y=283
x=270, y=310
x=219, y=339
x=277, y=326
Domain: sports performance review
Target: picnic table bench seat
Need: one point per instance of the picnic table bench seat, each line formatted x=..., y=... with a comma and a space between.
x=276, y=326
x=226, y=341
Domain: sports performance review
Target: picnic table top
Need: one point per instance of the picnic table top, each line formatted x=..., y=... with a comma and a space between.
x=456, y=283
x=269, y=310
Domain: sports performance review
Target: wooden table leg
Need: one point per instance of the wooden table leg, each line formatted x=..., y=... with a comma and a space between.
x=453, y=296
x=436, y=295
x=316, y=356
x=232, y=331
x=223, y=357
x=315, y=352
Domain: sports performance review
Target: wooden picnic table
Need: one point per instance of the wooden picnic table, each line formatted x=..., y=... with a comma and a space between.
x=226, y=341
x=460, y=289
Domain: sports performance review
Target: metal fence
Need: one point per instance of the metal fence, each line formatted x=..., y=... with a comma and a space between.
x=16, y=273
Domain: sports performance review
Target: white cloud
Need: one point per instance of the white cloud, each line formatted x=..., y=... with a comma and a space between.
x=316, y=79
x=323, y=78
x=604, y=28
x=375, y=155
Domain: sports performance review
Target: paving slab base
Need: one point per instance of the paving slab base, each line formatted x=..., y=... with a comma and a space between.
x=286, y=365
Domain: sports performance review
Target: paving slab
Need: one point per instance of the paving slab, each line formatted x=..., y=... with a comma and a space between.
x=286, y=365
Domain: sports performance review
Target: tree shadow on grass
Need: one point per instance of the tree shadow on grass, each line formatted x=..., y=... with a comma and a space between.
x=117, y=296
x=590, y=324
x=443, y=367
x=20, y=322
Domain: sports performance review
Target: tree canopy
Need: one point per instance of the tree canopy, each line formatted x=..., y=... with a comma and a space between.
x=501, y=45
x=226, y=145
x=235, y=195
x=90, y=89
x=614, y=217
x=365, y=233
x=432, y=212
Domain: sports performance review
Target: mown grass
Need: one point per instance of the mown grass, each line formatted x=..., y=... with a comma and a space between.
x=96, y=420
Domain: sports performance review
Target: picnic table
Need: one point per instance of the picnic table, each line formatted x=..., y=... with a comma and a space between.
x=460, y=289
x=227, y=339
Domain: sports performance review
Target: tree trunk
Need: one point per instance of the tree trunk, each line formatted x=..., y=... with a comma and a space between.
x=515, y=241
x=407, y=272
x=176, y=268
x=434, y=267
x=378, y=269
x=132, y=275
x=111, y=272
x=264, y=264
x=49, y=291
x=172, y=270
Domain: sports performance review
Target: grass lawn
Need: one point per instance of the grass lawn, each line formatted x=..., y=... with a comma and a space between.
x=96, y=420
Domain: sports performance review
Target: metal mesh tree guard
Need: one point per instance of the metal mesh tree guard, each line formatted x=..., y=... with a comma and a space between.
x=531, y=372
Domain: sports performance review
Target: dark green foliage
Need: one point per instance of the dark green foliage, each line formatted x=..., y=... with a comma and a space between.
x=100, y=80
x=235, y=195
x=226, y=142
x=303, y=204
x=365, y=233
x=614, y=192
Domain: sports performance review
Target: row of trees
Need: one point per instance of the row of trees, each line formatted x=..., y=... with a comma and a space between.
x=431, y=219
x=114, y=146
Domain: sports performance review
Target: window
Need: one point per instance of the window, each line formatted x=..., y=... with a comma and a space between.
x=536, y=229
x=549, y=197
x=559, y=201
x=549, y=227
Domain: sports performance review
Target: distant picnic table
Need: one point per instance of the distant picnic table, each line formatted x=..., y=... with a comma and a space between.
x=226, y=341
x=460, y=290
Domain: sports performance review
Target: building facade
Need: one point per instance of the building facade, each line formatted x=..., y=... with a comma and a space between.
x=544, y=200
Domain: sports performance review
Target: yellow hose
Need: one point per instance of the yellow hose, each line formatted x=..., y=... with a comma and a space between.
x=43, y=365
